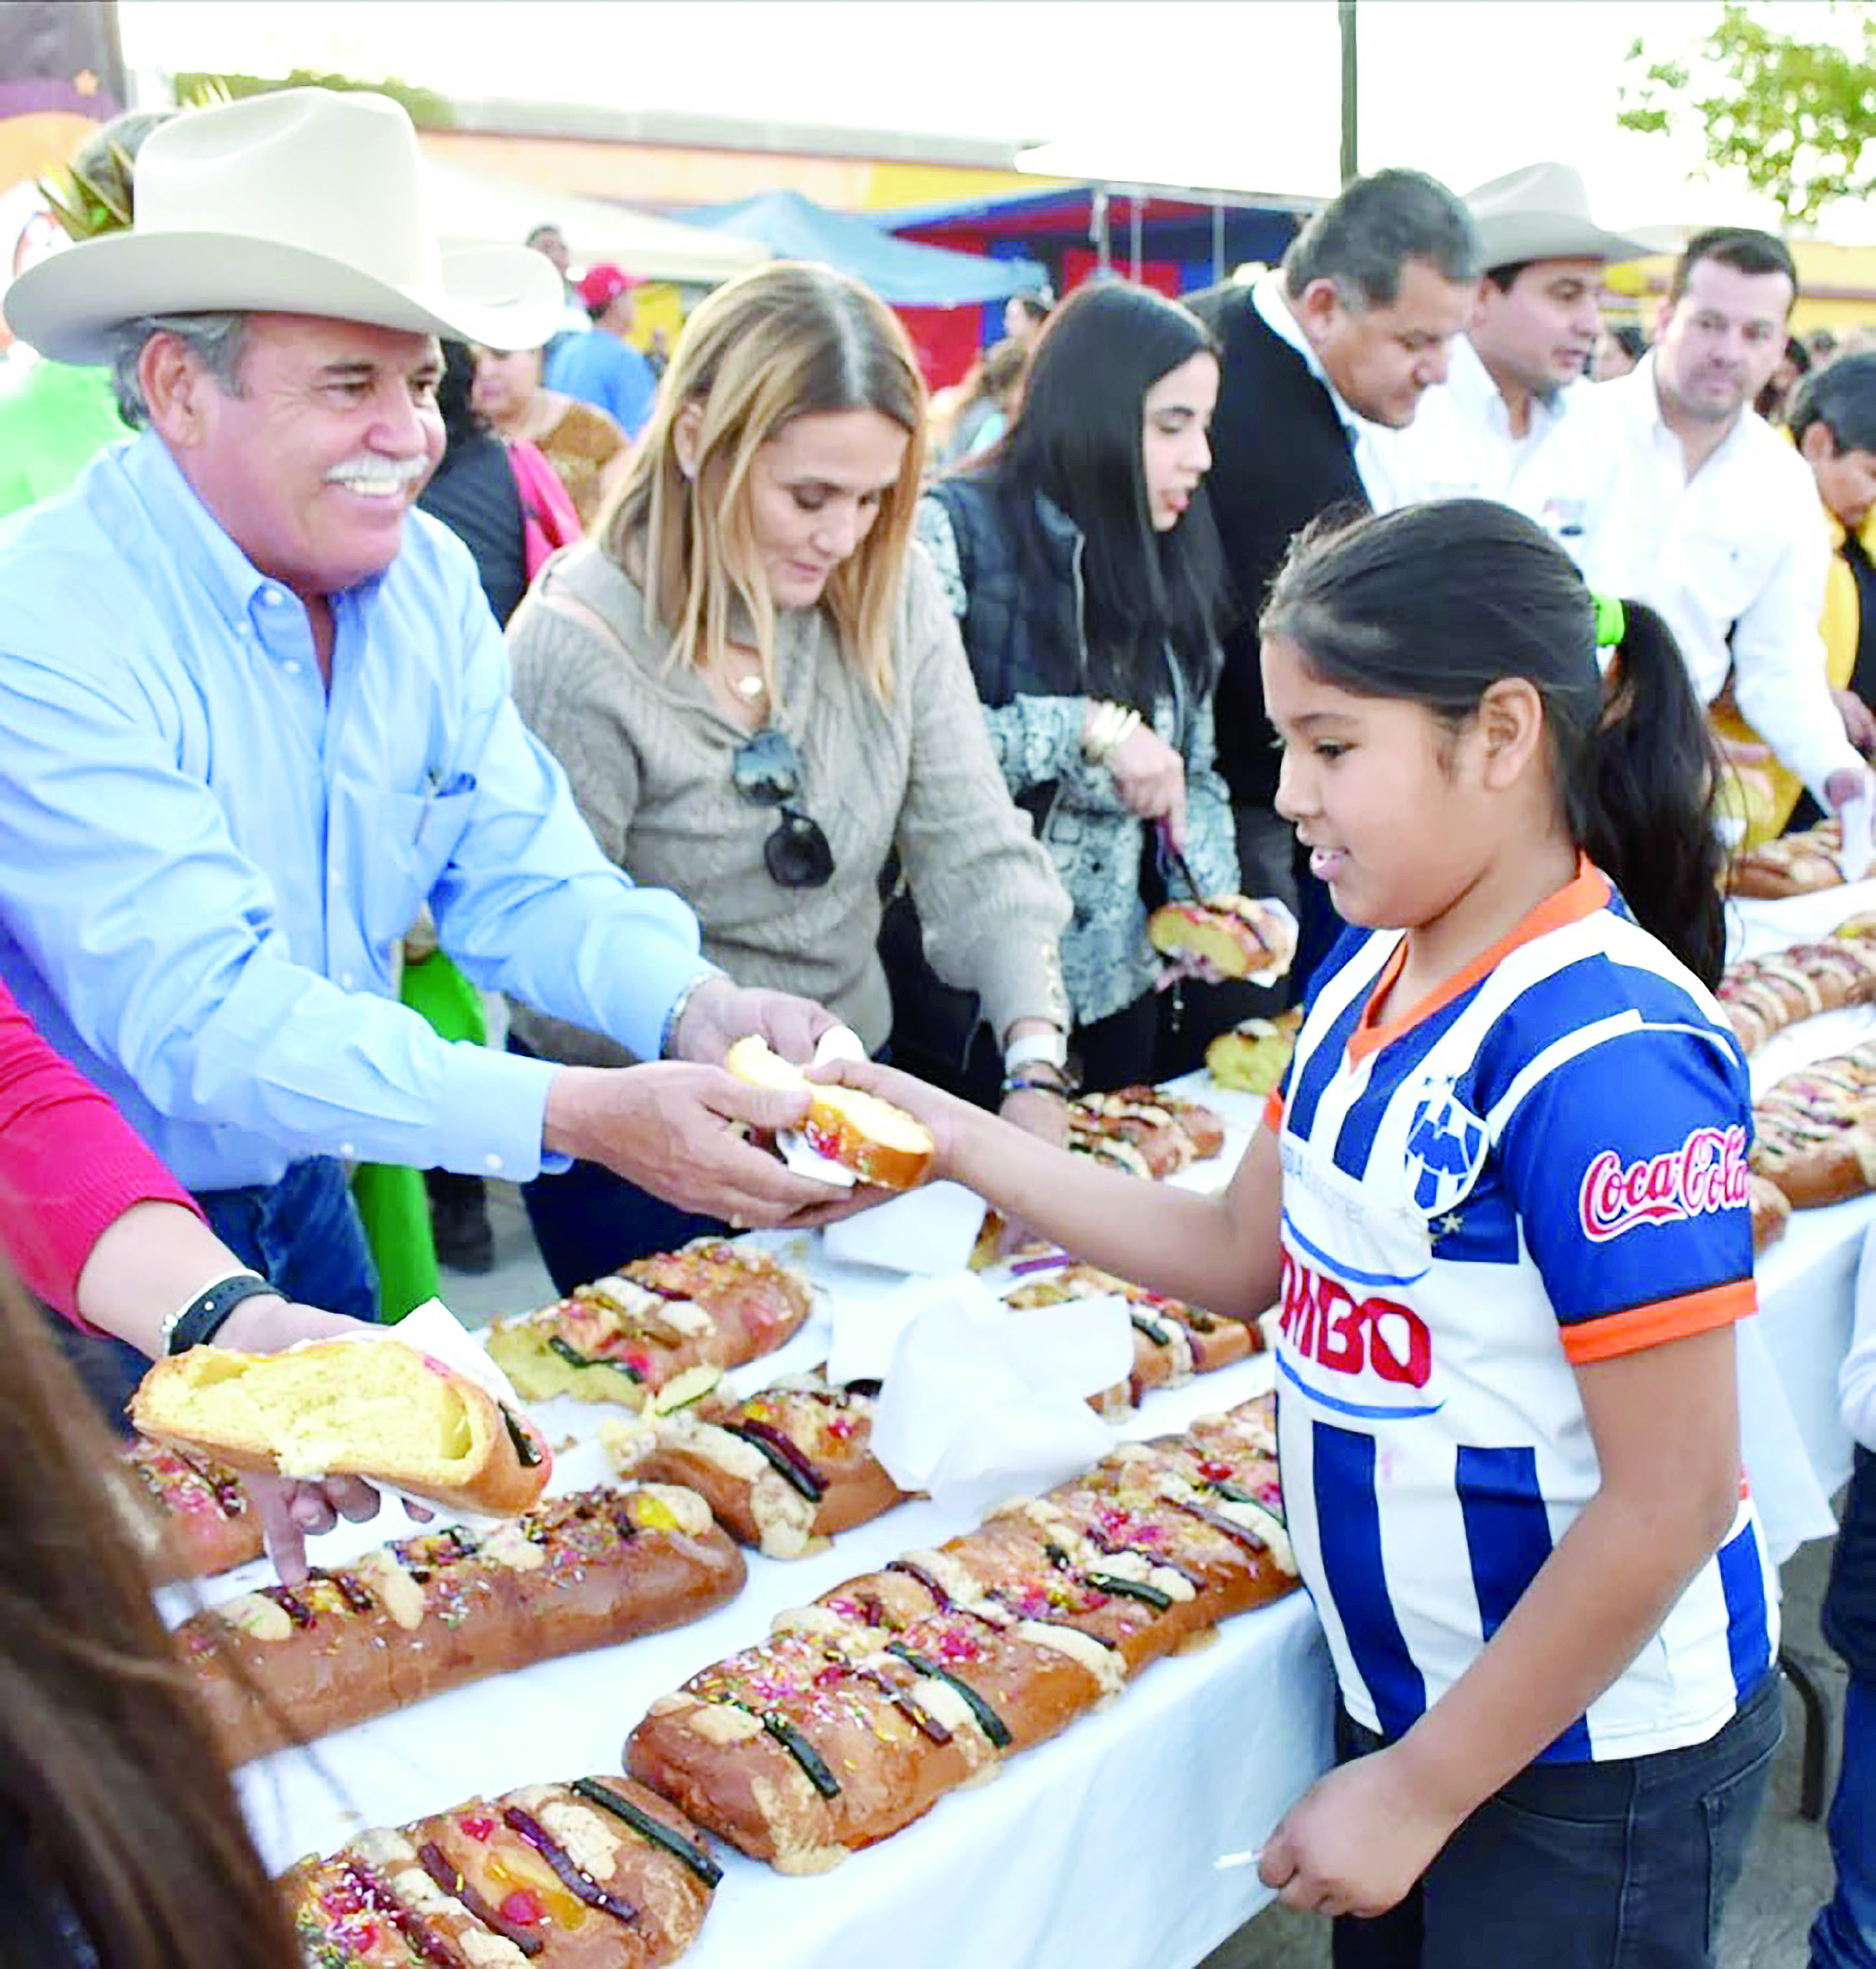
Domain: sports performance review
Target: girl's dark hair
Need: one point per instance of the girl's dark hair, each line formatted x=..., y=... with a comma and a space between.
x=1434, y=603
x=452, y=392
x=112, y=1788
x=1076, y=440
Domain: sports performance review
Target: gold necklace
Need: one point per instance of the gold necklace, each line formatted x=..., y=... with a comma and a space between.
x=750, y=688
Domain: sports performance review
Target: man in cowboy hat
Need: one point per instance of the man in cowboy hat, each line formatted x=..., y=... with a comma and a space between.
x=257, y=715
x=1497, y=428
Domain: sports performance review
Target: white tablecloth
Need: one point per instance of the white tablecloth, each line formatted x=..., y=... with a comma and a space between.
x=1797, y=1451
x=1095, y=1850
x=1199, y=1757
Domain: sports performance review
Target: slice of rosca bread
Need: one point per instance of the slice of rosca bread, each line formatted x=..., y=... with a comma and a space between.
x=375, y=1409
x=1241, y=937
x=1251, y=1057
x=880, y=1143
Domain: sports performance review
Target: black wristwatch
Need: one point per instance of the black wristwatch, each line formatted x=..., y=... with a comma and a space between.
x=198, y=1322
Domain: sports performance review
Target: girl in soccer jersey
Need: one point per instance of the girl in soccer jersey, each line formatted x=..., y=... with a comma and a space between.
x=1502, y=1201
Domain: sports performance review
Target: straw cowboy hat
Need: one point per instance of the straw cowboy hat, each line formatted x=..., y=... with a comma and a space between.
x=308, y=201
x=1542, y=212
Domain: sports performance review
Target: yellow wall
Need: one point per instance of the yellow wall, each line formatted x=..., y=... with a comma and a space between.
x=1836, y=286
x=892, y=186
x=656, y=174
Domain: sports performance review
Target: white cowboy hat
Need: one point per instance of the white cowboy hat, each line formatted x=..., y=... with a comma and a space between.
x=1542, y=212
x=308, y=201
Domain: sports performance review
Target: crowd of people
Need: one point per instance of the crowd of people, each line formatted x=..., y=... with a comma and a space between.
x=797, y=726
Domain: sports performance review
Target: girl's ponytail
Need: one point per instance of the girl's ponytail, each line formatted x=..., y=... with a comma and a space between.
x=1641, y=799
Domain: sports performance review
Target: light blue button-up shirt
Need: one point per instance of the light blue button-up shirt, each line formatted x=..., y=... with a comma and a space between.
x=205, y=862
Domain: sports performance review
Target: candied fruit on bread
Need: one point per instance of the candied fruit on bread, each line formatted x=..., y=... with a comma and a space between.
x=189, y=1513
x=459, y=1604
x=599, y=1873
x=668, y=1324
x=374, y=1408
x=879, y=1143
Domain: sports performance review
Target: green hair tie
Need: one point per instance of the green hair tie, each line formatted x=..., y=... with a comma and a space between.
x=1611, y=625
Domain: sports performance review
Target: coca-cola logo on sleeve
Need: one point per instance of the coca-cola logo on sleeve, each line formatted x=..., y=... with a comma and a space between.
x=1706, y=1174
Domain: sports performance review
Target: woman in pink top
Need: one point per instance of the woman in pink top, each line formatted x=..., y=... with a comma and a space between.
x=97, y=1226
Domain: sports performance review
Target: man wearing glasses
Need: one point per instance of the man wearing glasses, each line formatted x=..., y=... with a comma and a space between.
x=259, y=714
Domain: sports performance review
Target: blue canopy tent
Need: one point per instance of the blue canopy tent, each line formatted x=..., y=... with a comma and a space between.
x=1204, y=234
x=899, y=271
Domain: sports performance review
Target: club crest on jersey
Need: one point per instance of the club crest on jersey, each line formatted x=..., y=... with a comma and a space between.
x=1708, y=1173
x=1446, y=1150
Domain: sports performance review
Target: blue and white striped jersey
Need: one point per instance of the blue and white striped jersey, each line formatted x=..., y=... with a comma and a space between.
x=1542, y=1165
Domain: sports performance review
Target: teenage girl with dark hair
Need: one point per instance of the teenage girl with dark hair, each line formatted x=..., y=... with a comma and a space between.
x=121, y=1843
x=1081, y=562
x=1503, y=1200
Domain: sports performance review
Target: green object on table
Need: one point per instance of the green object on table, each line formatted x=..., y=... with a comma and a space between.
x=392, y=1200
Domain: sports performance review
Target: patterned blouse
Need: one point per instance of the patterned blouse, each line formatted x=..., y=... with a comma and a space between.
x=1097, y=845
x=579, y=446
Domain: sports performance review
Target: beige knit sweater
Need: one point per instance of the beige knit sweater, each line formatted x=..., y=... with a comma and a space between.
x=649, y=754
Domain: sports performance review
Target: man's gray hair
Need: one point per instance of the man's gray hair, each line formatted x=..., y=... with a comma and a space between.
x=217, y=341
x=1362, y=240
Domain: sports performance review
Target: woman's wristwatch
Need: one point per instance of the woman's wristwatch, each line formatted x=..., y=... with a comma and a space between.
x=197, y=1323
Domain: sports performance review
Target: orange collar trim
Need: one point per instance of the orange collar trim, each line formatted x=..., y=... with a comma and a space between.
x=1587, y=892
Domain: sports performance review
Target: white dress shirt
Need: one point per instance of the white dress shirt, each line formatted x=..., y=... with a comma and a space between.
x=1267, y=297
x=1461, y=445
x=1734, y=557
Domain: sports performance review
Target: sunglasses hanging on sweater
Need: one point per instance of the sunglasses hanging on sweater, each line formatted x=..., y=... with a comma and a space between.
x=766, y=773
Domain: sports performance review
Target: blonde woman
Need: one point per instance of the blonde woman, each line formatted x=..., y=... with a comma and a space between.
x=758, y=692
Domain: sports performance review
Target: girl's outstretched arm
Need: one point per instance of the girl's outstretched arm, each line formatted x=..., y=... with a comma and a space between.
x=1665, y=1423
x=1218, y=1252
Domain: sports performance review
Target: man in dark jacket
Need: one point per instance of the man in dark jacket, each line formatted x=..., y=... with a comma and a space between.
x=1348, y=333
